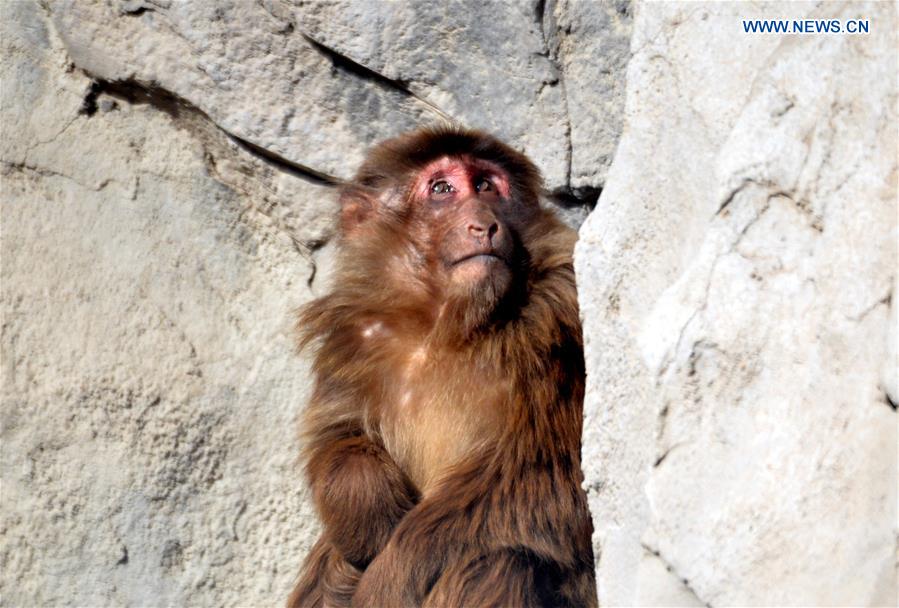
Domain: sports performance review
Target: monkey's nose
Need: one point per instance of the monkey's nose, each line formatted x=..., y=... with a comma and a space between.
x=481, y=229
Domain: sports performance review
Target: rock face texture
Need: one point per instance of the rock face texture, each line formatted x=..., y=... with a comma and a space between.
x=165, y=207
x=737, y=281
x=165, y=171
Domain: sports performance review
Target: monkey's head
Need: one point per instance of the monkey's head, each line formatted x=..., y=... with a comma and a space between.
x=439, y=218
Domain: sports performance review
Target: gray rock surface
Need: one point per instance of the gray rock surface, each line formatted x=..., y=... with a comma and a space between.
x=318, y=82
x=149, y=381
x=164, y=172
x=736, y=282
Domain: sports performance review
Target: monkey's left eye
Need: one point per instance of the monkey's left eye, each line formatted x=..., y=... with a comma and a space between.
x=483, y=185
x=442, y=187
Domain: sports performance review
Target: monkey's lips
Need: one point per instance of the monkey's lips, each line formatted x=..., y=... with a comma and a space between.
x=481, y=270
x=483, y=257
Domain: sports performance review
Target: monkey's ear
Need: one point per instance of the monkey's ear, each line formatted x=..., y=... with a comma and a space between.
x=357, y=206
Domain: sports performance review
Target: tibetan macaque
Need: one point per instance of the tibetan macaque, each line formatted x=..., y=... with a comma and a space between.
x=442, y=441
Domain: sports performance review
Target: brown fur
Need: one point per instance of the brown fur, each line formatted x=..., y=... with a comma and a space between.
x=443, y=439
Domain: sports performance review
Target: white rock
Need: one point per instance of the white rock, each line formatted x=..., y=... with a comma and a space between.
x=734, y=282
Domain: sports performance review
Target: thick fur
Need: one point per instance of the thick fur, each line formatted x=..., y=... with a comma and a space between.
x=471, y=495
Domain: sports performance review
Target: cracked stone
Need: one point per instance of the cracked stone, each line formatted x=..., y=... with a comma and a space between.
x=751, y=206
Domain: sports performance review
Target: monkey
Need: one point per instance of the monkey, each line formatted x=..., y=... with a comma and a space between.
x=442, y=438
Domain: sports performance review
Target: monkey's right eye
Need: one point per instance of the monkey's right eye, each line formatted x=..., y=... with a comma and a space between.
x=441, y=187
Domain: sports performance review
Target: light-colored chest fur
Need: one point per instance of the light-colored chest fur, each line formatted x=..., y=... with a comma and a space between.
x=437, y=408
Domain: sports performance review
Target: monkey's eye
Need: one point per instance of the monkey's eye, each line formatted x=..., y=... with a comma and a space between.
x=483, y=185
x=442, y=187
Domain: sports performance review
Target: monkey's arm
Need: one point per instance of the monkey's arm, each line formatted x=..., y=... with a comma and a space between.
x=482, y=536
x=360, y=494
x=485, y=529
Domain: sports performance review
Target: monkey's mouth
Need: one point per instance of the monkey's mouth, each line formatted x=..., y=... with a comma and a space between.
x=482, y=257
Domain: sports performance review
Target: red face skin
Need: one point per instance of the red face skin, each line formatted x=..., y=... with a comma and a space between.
x=461, y=172
x=466, y=202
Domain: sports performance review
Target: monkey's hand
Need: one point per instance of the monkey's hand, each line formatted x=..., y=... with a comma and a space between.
x=458, y=548
x=434, y=534
x=361, y=494
x=399, y=576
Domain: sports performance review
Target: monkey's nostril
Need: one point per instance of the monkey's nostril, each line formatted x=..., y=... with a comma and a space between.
x=483, y=230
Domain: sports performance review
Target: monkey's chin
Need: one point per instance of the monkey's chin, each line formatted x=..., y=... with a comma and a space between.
x=475, y=289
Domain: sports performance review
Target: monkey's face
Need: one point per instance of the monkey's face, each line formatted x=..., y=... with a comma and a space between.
x=465, y=206
x=436, y=221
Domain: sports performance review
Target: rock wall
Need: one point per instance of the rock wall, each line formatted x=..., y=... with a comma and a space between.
x=165, y=204
x=165, y=207
x=737, y=280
